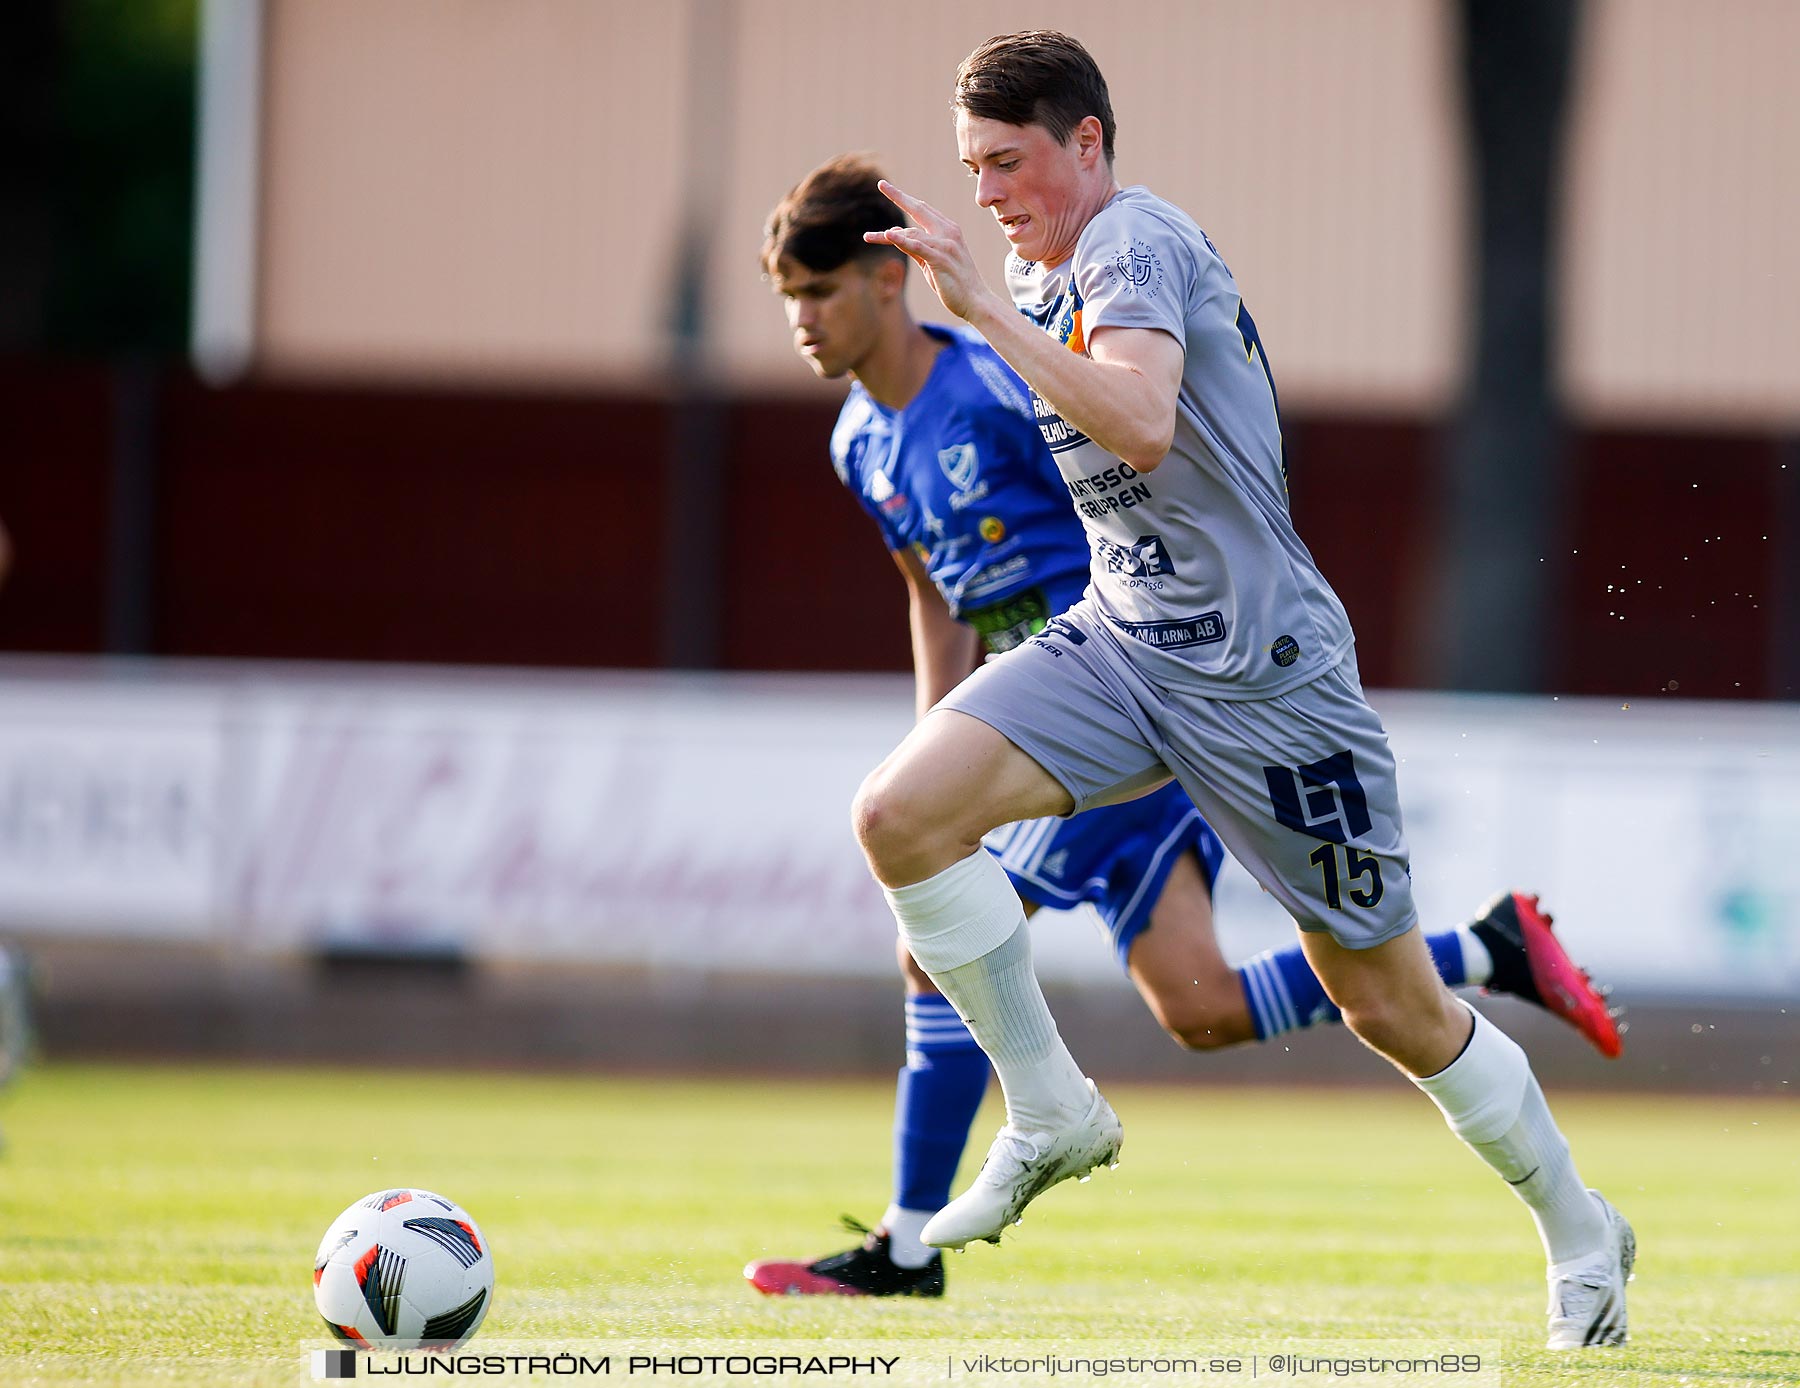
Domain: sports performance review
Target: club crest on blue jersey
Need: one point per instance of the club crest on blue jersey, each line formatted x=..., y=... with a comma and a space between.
x=959, y=463
x=960, y=477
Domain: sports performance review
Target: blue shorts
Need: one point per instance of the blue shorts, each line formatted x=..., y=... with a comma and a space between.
x=1116, y=858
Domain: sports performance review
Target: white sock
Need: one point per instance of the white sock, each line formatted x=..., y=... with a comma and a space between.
x=958, y=915
x=904, y=1227
x=966, y=928
x=1493, y=1103
x=999, y=999
x=1478, y=964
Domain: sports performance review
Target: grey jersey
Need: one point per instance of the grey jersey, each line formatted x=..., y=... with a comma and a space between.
x=1197, y=563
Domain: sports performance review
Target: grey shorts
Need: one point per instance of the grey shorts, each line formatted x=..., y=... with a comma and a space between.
x=1299, y=787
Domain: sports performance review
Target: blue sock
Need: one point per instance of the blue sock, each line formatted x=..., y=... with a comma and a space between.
x=1285, y=994
x=940, y=1089
x=1447, y=953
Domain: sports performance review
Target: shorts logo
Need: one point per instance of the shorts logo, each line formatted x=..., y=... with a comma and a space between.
x=1063, y=627
x=959, y=464
x=993, y=529
x=1285, y=651
x=1323, y=799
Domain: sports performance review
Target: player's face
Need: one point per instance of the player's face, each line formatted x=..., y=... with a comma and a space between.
x=1029, y=180
x=833, y=313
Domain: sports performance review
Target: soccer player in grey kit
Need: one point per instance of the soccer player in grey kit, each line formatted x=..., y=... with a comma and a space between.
x=1208, y=648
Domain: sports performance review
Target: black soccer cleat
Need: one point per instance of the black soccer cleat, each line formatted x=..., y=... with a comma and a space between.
x=1531, y=963
x=865, y=1270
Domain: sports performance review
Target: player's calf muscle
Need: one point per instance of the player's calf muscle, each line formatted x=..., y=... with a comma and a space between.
x=1393, y=1000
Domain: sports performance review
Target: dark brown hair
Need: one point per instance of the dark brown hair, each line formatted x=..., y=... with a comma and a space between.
x=1037, y=77
x=821, y=221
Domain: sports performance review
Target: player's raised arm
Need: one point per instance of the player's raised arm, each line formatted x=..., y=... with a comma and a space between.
x=1123, y=398
x=935, y=244
x=1122, y=394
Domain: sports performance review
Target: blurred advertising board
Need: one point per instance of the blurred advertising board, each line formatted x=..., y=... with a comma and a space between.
x=700, y=822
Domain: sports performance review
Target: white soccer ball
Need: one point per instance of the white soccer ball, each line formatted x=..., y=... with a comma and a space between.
x=402, y=1270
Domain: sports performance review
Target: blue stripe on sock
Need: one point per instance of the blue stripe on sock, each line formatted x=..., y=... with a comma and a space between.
x=1285, y=994
x=935, y=1101
x=1256, y=996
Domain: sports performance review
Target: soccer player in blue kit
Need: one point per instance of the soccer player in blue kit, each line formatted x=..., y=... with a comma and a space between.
x=1208, y=646
x=939, y=441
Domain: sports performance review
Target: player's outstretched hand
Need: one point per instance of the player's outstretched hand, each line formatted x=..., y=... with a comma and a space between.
x=936, y=246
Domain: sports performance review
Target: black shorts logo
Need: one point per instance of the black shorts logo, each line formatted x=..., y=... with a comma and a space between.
x=1323, y=799
x=1059, y=626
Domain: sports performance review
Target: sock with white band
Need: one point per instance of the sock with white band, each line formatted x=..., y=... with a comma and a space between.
x=935, y=1103
x=966, y=928
x=1477, y=963
x=958, y=915
x=1494, y=1104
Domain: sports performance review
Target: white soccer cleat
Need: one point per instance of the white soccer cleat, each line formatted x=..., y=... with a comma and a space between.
x=1587, y=1303
x=1021, y=1166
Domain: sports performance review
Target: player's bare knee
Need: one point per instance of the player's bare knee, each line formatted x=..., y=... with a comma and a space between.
x=895, y=829
x=1203, y=1015
x=1195, y=996
x=1199, y=1033
x=872, y=819
x=1201, y=1025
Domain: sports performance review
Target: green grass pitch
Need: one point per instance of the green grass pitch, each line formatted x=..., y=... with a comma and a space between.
x=157, y=1224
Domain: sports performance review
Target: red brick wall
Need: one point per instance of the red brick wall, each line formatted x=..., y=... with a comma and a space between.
x=361, y=524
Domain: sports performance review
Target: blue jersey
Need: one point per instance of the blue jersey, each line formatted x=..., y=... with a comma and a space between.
x=962, y=476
